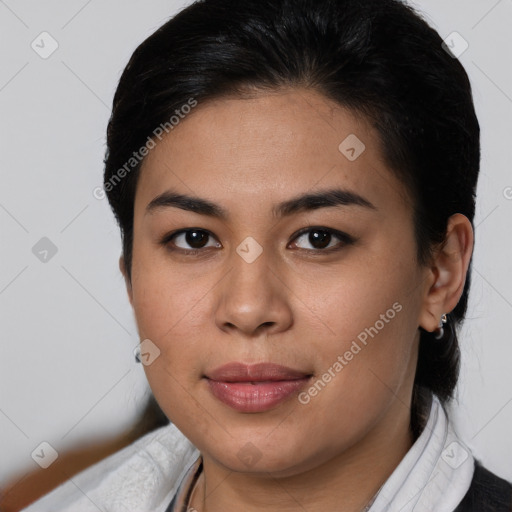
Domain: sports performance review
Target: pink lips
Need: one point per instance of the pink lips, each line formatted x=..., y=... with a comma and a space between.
x=254, y=388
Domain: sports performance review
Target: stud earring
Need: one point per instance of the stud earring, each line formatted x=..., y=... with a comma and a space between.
x=440, y=330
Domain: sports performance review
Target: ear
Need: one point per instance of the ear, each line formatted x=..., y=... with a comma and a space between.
x=447, y=272
x=122, y=268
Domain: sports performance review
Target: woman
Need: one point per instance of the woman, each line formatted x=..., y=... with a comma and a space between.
x=295, y=187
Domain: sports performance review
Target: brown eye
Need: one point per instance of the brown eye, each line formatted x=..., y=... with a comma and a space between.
x=319, y=239
x=197, y=239
x=191, y=240
x=322, y=239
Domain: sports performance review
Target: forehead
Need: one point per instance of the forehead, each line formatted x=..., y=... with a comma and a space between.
x=266, y=148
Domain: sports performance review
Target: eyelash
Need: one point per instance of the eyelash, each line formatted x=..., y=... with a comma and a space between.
x=345, y=240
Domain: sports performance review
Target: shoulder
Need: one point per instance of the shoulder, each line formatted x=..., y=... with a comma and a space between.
x=137, y=477
x=487, y=493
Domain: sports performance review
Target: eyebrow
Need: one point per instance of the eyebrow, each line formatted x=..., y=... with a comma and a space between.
x=304, y=202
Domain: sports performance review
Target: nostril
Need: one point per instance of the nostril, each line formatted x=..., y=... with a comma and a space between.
x=266, y=325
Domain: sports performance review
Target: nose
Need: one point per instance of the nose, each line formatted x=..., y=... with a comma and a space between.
x=253, y=299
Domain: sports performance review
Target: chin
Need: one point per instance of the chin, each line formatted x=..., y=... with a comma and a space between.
x=261, y=454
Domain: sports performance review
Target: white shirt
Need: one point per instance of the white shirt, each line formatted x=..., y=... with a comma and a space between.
x=434, y=475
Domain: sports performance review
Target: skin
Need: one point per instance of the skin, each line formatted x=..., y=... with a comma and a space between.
x=294, y=305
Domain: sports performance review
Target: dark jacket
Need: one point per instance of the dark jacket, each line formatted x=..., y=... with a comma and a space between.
x=487, y=493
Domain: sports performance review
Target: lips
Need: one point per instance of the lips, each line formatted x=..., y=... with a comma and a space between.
x=255, y=388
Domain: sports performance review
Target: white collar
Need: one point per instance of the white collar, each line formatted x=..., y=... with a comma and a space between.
x=434, y=475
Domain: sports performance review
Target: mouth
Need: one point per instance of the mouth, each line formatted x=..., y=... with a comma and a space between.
x=255, y=388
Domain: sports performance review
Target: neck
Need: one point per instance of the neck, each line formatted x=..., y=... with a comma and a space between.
x=351, y=478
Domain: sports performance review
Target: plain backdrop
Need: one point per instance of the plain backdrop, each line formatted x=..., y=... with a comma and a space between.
x=67, y=371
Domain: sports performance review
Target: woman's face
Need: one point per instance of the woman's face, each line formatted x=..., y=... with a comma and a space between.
x=328, y=287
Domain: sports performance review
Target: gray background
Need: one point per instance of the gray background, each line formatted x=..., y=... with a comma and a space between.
x=67, y=372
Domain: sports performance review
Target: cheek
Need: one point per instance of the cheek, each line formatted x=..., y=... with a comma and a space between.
x=171, y=310
x=350, y=298
x=365, y=343
x=167, y=298
x=171, y=313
